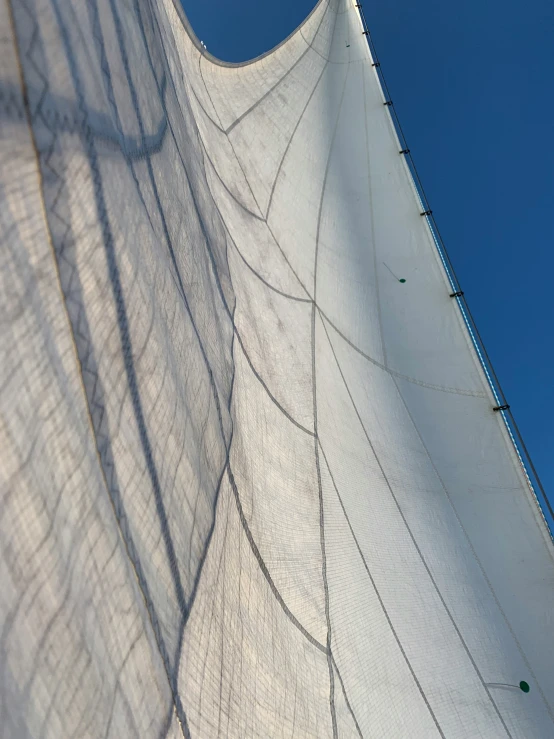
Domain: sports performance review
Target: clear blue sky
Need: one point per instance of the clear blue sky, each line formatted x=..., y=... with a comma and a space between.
x=473, y=84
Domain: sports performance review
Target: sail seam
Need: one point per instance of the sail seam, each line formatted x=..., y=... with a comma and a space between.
x=265, y=282
x=243, y=258
x=519, y=446
x=268, y=391
x=473, y=551
x=348, y=705
x=413, y=380
x=220, y=124
x=271, y=89
x=375, y=362
x=263, y=567
x=208, y=117
x=416, y=546
x=253, y=107
x=326, y=58
x=380, y=599
x=316, y=439
x=322, y=540
x=298, y=122
x=231, y=194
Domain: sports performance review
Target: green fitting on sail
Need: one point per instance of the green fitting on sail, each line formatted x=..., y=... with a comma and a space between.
x=400, y=279
x=524, y=686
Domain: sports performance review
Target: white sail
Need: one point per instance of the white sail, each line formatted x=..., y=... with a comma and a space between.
x=253, y=484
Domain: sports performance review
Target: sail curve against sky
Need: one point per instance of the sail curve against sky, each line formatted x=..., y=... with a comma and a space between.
x=253, y=478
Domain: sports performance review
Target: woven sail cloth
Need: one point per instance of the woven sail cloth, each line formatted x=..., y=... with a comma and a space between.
x=252, y=482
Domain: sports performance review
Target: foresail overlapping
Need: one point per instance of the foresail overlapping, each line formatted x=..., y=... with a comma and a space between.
x=252, y=480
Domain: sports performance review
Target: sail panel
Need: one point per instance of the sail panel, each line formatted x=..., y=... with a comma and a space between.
x=253, y=481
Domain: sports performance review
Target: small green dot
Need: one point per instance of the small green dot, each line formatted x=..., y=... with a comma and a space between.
x=402, y=280
x=524, y=686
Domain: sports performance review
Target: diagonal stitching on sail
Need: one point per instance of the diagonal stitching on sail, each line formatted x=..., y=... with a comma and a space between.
x=378, y=594
x=400, y=375
x=268, y=391
x=375, y=362
x=474, y=552
x=246, y=354
x=246, y=262
x=263, y=567
x=203, y=109
x=238, y=120
x=231, y=195
x=272, y=88
x=316, y=440
x=291, y=139
x=326, y=58
x=250, y=267
x=219, y=125
x=413, y=380
x=264, y=281
x=322, y=527
x=350, y=709
x=417, y=547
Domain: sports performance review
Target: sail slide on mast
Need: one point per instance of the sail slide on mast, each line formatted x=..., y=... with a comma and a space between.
x=258, y=478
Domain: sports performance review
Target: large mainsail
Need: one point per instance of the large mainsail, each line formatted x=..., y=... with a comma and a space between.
x=253, y=484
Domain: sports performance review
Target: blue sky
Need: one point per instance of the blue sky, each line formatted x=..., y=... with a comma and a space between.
x=473, y=84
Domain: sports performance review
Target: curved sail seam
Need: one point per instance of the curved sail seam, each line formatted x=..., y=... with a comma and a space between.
x=413, y=380
x=380, y=599
x=474, y=553
x=417, y=547
x=273, y=87
x=519, y=446
x=263, y=567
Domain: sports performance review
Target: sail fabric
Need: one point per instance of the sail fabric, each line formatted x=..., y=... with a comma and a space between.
x=252, y=481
